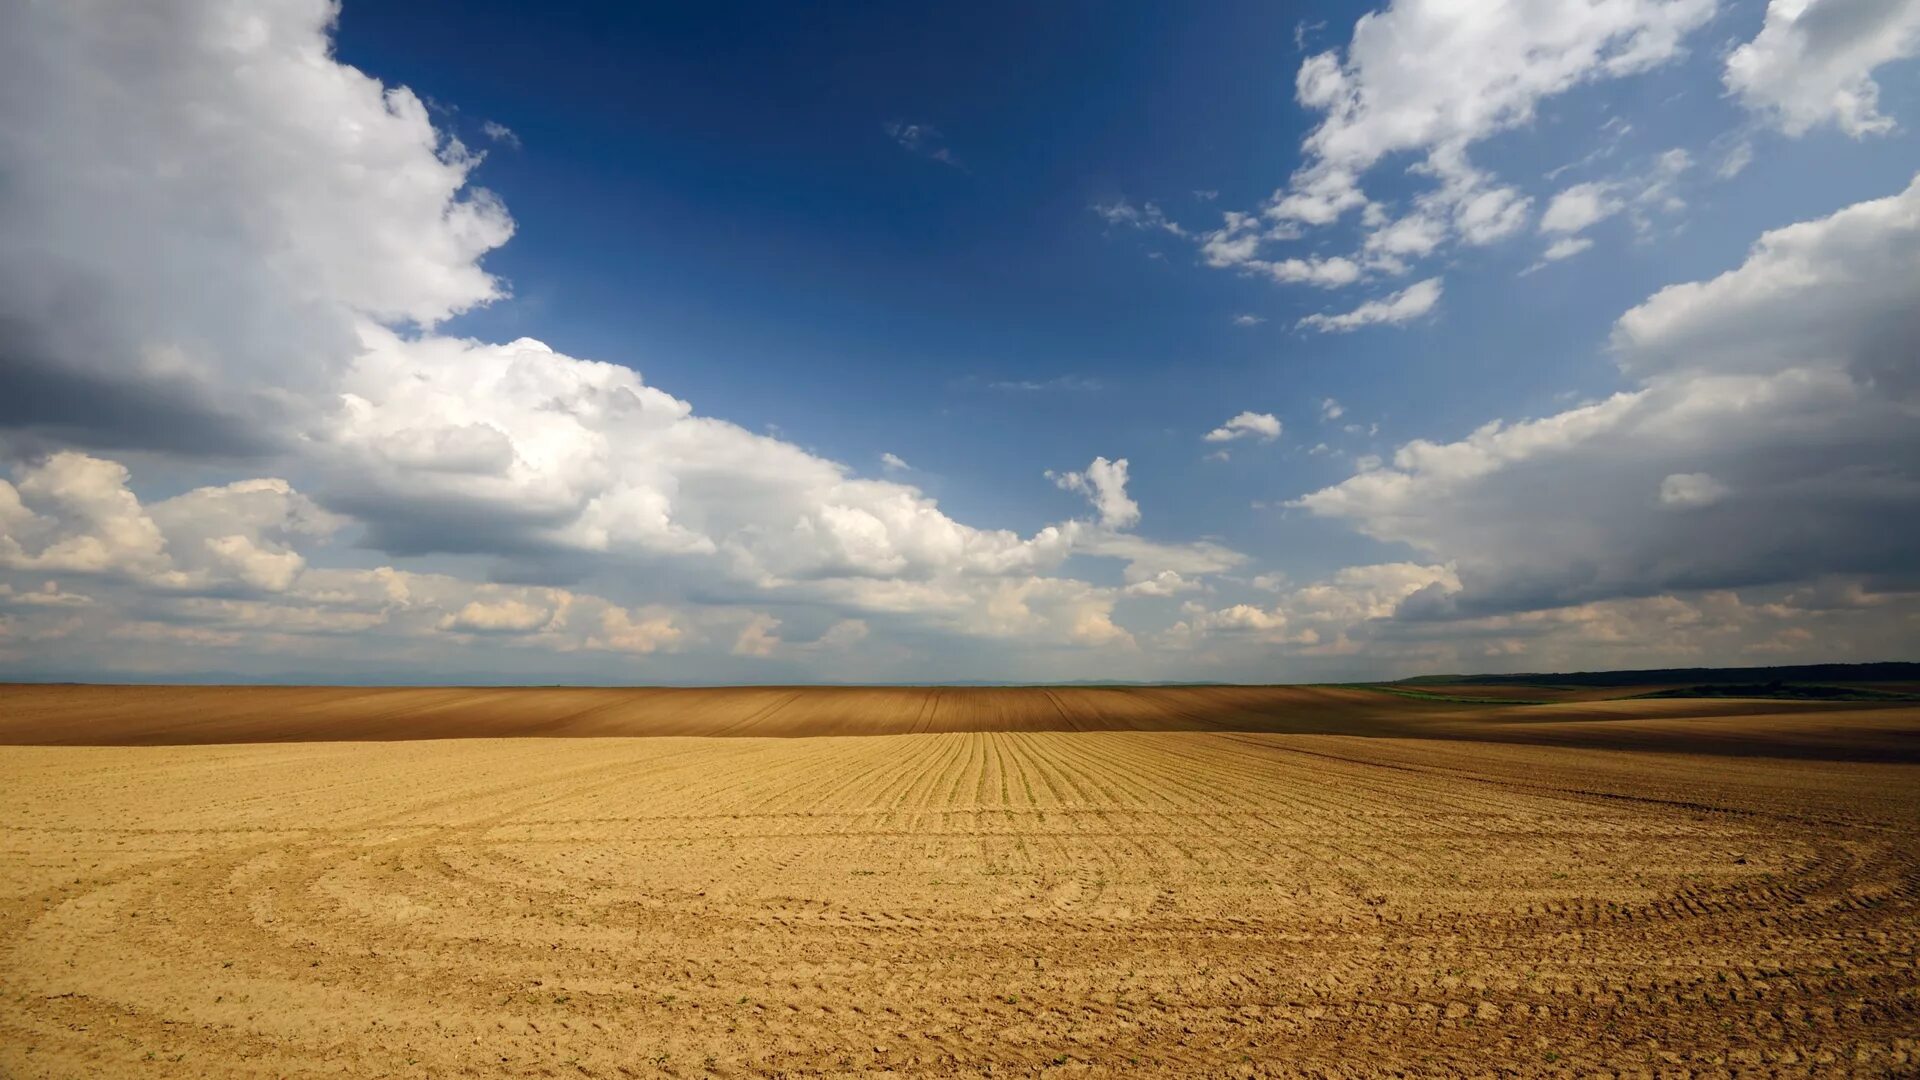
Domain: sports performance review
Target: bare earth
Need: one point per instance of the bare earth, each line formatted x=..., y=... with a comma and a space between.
x=1223, y=881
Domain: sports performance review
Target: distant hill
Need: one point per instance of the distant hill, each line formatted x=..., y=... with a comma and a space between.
x=1891, y=671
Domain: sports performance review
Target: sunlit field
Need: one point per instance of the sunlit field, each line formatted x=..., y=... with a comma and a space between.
x=1080, y=882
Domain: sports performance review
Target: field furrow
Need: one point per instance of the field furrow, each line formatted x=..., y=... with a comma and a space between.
x=1100, y=902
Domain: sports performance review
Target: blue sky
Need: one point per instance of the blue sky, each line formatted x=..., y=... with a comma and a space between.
x=996, y=244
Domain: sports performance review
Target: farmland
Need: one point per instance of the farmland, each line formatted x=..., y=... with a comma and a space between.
x=1087, y=881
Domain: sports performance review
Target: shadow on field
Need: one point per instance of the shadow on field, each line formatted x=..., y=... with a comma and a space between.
x=1617, y=718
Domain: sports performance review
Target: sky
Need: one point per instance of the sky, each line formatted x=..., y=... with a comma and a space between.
x=1267, y=342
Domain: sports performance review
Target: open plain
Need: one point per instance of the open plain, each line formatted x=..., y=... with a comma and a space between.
x=1071, y=882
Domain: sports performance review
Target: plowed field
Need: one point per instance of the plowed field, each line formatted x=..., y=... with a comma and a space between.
x=968, y=902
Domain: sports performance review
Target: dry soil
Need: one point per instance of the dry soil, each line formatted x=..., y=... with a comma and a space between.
x=1470, y=890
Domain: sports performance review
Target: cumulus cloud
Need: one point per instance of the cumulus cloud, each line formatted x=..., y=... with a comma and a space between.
x=500, y=617
x=1691, y=489
x=199, y=202
x=1578, y=208
x=1104, y=483
x=1262, y=426
x=1404, y=306
x=1323, y=618
x=1769, y=439
x=643, y=632
x=1401, y=84
x=1400, y=88
x=759, y=638
x=222, y=244
x=1813, y=62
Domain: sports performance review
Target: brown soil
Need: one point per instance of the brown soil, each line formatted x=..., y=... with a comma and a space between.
x=85, y=715
x=1014, y=902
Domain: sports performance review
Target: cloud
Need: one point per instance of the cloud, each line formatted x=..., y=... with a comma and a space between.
x=1236, y=245
x=1326, y=273
x=644, y=632
x=1580, y=207
x=500, y=617
x=894, y=462
x=759, y=638
x=49, y=594
x=1120, y=212
x=1691, y=489
x=844, y=634
x=1248, y=320
x=1059, y=383
x=1736, y=161
x=501, y=134
x=1104, y=483
x=1404, y=306
x=1262, y=426
x=921, y=139
x=1323, y=616
x=237, y=251
x=1331, y=409
x=1162, y=584
x=1566, y=248
x=1769, y=440
x=1400, y=87
x=186, y=240
x=1813, y=63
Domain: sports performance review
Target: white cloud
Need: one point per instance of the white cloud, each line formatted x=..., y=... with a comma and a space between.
x=1321, y=617
x=237, y=248
x=1104, y=483
x=1774, y=405
x=1691, y=489
x=1331, y=409
x=198, y=204
x=1579, y=207
x=1162, y=584
x=759, y=638
x=49, y=594
x=894, y=462
x=1813, y=62
x=1062, y=383
x=921, y=139
x=1434, y=78
x=1566, y=248
x=501, y=617
x=844, y=634
x=500, y=133
x=1324, y=272
x=1236, y=245
x=1406, y=305
x=1147, y=216
x=1582, y=206
x=1262, y=426
x=644, y=632
x=1248, y=320
x=1736, y=161
x=1835, y=293
x=74, y=512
